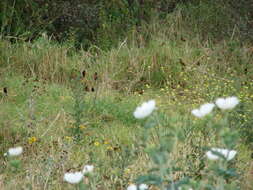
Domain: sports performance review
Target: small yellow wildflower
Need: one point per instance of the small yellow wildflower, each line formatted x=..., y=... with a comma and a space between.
x=68, y=138
x=32, y=140
x=106, y=142
x=96, y=143
x=82, y=126
x=110, y=148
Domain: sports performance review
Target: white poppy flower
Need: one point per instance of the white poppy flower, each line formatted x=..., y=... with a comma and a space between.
x=228, y=154
x=197, y=113
x=203, y=110
x=145, y=109
x=132, y=187
x=227, y=103
x=15, y=151
x=143, y=187
x=88, y=169
x=73, y=178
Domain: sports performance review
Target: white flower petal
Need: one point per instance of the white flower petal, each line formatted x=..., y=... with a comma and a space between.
x=145, y=109
x=88, y=169
x=221, y=103
x=143, y=187
x=132, y=187
x=197, y=113
x=206, y=108
x=228, y=154
x=73, y=178
x=227, y=103
x=211, y=156
x=180, y=188
x=203, y=110
x=15, y=151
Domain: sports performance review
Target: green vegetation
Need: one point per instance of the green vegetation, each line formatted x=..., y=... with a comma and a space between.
x=70, y=102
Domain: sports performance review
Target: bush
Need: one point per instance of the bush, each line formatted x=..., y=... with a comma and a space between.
x=104, y=23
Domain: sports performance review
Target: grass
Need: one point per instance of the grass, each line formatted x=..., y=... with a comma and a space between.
x=180, y=74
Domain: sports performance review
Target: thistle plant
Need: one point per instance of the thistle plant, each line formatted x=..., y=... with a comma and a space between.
x=78, y=109
x=216, y=172
x=161, y=174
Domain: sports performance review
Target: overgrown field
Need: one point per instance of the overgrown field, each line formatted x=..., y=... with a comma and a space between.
x=68, y=108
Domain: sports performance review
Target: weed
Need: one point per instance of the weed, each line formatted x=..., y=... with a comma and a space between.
x=79, y=107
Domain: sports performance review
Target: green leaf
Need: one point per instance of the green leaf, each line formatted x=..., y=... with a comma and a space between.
x=158, y=157
x=83, y=186
x=15, y=163
x=149, y=179
x=226, y=173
